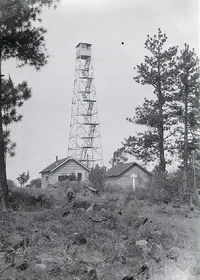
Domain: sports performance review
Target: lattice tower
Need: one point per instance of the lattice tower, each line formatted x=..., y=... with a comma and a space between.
x=84, y=137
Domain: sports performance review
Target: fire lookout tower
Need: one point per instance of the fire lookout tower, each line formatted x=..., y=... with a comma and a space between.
x=84, y=137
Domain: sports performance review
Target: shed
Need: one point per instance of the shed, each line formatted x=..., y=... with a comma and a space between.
x=63, y=169
x=127, y=175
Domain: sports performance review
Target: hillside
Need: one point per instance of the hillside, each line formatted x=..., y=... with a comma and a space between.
x=63, y=234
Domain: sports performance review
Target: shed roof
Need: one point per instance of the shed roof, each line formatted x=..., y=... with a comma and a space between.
x=59, y=163
x=120, y=168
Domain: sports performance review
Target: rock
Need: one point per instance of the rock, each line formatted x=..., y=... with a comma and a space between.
x=92, y=275
x=141, y=221
x=2, y=260
x=128, y=278
x=103, y=215
x=50, y=268
x=49, y=264
x=40, y=266
x=155, y=252
x=123, y=258
x=79, y=238
x=23, y=266
x=91, y=208
x=65, y=212
x=195, y=270
x=78, y=269
x=16, y=241
x=93, y=190
x=142, y=273
x=46, y=235
x=55, y=271
x=125, y=237
x=9, y=249
x=79, y=211
x=107, y=276
x=70, y=195
x=89, y=256
x=173, y=253
x=141, y=243
x=143, y=268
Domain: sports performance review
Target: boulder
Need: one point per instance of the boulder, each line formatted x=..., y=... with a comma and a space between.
x=92, y=275
x=173, y=253
x=16, y=241
x=78, y=269
x=90, y=256
x=50, y=268
x=141, y=221
x=40, y=267
x=49, y=264
x=141, y=243
x=128, y=278
x=155, y=252
x=92, y=189
x=70, y=195
x=103, y=215
x=79, y=238
x=22, y=265
x=195, y=270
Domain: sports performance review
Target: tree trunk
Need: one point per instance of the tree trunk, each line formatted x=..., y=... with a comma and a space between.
x=161, y=144
x=3, y=180
x=161, y=125
x=185, y=154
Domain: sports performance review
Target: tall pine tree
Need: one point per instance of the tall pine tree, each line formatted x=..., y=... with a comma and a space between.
x=13, y=97
x=23, y=39
x=158, y=114
x=187, y=98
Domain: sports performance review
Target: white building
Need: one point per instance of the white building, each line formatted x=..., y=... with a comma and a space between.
x=63, y=169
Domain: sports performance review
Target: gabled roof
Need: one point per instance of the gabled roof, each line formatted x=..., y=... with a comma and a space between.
x=121, y=168
x=52, y=167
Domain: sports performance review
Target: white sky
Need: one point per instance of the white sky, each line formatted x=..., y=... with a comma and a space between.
x=43, y=132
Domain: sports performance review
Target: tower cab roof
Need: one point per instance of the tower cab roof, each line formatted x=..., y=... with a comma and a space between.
x=88, y=45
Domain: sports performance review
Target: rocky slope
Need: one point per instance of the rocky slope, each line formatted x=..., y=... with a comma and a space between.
x=80, y=235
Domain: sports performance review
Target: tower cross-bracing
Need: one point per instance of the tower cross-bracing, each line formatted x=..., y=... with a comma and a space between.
x=84, y=136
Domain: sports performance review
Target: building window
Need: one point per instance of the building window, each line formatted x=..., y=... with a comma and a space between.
x=71, y=177
x=62, y=178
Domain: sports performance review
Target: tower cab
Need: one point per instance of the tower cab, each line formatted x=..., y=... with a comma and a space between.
x=83, y=50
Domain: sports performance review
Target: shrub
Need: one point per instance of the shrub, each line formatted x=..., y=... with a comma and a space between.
x=97, y=177
x=169, y=187
x=27, y=199
x=11, y=184
x=118, y=189
x=36, y=183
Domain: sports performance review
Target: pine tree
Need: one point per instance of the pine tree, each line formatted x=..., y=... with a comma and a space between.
x=158, y=115
x=13, y=97
x=187, y=98
x=23, y=39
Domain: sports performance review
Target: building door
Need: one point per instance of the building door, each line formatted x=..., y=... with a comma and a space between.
x=80, y=177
